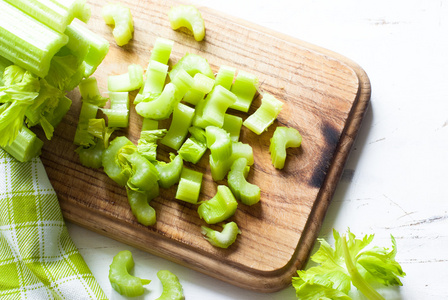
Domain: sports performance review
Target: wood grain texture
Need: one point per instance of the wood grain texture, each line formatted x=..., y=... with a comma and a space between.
x=325, y=98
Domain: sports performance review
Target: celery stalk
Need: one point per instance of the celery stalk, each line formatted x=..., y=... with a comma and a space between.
x=232, y=124
x=172, y=289
x=143, y=212
x=25, y=146
x=27, y=42
x=120, y=16
x=222, y=239
x=161, y=107
x=219, y=143
x=162, y=50
x=192, y=150
x=110, y=160
x=154, y=82
x=169, y=173
x=78, y=8
x=181, y=121
x=248, y=193
x=189, y=186
x=265, y=115
x=212, y=109
x=188, y=16
x=147, y=143
x=192, y=64
x=284, y=137
x=202, y=85
x=225, y=77
x=118, y=113
x=221, y=207
x=244, y=87
x=127, y=82
x=149, y=124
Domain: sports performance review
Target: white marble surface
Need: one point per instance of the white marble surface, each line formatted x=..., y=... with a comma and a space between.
x=395, y=179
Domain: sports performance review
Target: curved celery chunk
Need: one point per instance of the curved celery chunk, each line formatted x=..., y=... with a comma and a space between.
x=91, y=157
x=121, y=17
x=65, y=72
x=188, y=16
x=220, y=168
x=169, y=173
x=139, y=203
x=189, y=186
x=183, y=82
x=202, y=85
x=78, y=8
x=172, y=289
x=192, y=64
x=161, y=107
x=195, y=146
x=212, y=109
x=221, y=207
x=232, y=124
x=265, y=115
x=181, y=121
x=244, y=87
x=284, y=137
x=118, y=113
x=219, y=142
x=110, y=160
x=154, y=82
x=120, y=279
x=26, y=42
x=149, y=124
x=127, y=82
x=222, y=239
x=162, y=50
x=248, y=193
x=25, y=146
x=147, y=143
x=225, y=77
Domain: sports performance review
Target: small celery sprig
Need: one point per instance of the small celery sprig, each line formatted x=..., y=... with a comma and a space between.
x=349, y=262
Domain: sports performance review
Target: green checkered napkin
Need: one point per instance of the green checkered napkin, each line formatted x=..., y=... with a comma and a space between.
x=38, y=259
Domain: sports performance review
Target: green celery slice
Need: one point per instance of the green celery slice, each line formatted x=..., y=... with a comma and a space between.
x=232, y=124
x=98, y=46
x=181, y=121
x=222, y=239
x=221, y=207
x=120, y=16
x=211, y=110
x=202, y=85
x=189, y=186
x=25, y=146
x=162, y=50
x=78, y=8
x=27, y=42
x=225, y=77
x=161, y=107
x=127, y=82
x=66, y=72
x=110, y=160
x=147, y=144
x=248, y=193
x=192, y=150
x=283, y=137
x=245, y=88
x=91, y=157
x=169, y=173
x=220, y=168
x=155, y=81
x=88, y=88
x=55, y=117
x=149, y=124
x=219, y=143
x=82, y=137
x=192, y=64
x=188, y=16
x=265, y=115
x=183, y=82
x=172, y=289
x=118, y=113
x=139, y=203
x=120, y=279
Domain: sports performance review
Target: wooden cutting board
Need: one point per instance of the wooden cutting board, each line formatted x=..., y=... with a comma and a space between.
x=325, y=97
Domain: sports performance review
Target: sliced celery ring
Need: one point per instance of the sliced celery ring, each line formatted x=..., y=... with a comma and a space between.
x=188, y=16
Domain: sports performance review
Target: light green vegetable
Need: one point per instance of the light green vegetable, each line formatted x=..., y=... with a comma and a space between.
x=183, y=82
x=220, y=168
x=283, y=138
x=192, y=64
x=139, y=203
x=169, y=173
x=91, y=157
x=172, y=289
x=265, y=115
x=221, y=207
x=118, y=113
x=25, y=146
x=195, y=146
x=127, y=82
x=154, y=82
x=188, y=16
x=110, y=161
x=222, y=239
x=225, y=77
x=147, y=144
x=232, y=124
x=202, y=85
x=181, y=121
x=121, y=17
x=77, y=8
x=162, y=50
x=98, y=128
x=244, y=87
x=219, y=143
x=149, y=124
x=248, y=193
x=120, y=279
x=350, y=262
x=189, y=187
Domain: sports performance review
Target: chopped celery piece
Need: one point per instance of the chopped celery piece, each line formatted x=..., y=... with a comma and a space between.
x=139, y=203
x=27, y=42
x=221, y=207
x=65, y=72
x=118, y=113
x=248, y=193
x=172, y=289
x=188, y=16
x=154, y=82
x=189, y=186
x=225, y=77
x=110, y=160
x=121, y=17
x=82, y=136
x=162, y=50
x=78, y=8
x=77, y=45
x=25, y=146
x=48, y=12
x=149, y=124
x=265, y=115
x=192, y=64
x=161, y=107
x=126, y=82
x=232, y=124
x=120, y=279
x=192, y=150
x=88, y=88
x=55, y=117
x=198, y=133
x=98, y=128
x=183, y=82
x=244, y=87
x=147, y=144
x=222, y=239
x=212, y=109
x=284, y=137
x=181, y=121
x=91, y=157
x=169, y=173
x=220, y=168
x=98, y=46
x=202, y=85
x=219, y=143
